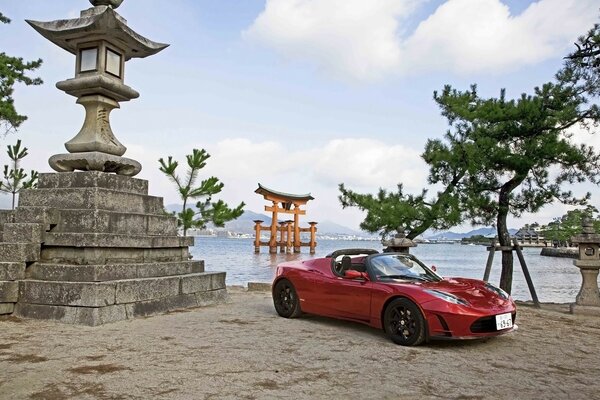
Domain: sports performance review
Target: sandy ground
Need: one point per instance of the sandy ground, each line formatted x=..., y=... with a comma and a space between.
x=244, y=350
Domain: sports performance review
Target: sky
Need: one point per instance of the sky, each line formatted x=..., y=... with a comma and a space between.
x=299, y=95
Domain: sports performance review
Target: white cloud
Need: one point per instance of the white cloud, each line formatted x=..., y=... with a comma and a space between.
x=353, y=37
x=363, y=164
x=362, y=39
x=369, y=163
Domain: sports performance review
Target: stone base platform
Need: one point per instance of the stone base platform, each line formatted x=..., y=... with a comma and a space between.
x=91, y=248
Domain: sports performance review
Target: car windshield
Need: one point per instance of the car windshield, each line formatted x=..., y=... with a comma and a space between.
x=401, y=266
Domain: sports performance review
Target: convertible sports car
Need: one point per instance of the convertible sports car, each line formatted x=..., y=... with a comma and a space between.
x=393, y=291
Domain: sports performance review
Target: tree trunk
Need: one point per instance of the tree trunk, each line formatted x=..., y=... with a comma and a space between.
x=507, y=256
x=503, y=234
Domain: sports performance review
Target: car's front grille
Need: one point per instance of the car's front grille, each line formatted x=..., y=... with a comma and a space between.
x=487, y=324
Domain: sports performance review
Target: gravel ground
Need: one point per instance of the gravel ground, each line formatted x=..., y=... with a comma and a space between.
x=243, y=350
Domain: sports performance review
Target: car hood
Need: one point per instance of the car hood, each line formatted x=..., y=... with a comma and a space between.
x=473, y=291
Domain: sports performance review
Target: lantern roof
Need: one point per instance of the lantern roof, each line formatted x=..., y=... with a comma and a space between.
x=97, y=23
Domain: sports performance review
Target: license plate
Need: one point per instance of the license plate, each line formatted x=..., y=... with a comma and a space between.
x=503, y=321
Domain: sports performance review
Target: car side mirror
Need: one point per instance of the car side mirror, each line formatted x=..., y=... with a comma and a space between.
x=352, y=274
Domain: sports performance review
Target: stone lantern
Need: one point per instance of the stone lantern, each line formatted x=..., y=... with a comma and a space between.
x=102, y=43
x=588, y=262
x=90, y=245
x=399, y=243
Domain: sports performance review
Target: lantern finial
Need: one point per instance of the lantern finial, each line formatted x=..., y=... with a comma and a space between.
x=111, y=3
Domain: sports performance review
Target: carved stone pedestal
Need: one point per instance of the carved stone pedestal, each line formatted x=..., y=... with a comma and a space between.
x=90, y=248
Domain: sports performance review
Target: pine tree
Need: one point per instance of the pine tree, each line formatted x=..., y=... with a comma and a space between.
x=206, y=210
x=13, y=70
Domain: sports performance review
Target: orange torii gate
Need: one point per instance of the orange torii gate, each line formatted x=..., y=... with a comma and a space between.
x=289, y=231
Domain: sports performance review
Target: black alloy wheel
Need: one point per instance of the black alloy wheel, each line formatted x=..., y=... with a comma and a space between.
x=404, y=323
x=285, y=299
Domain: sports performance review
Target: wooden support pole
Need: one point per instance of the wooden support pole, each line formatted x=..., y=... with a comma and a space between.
x=273, y=239
x=296, y=230
x=490, y=260
x=288, y=245
x=313, y=242
x=534, y=297
x=282, y=240
x=257, y=229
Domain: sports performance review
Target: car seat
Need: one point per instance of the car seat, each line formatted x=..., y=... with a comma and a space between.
x=346, y=264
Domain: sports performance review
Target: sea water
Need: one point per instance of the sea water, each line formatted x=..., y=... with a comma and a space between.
x=555, y=279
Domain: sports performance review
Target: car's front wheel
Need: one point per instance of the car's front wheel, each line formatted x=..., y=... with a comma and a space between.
x=404, y=323
x=285, y=299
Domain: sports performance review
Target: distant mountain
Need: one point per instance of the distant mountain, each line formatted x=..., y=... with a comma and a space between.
x=457, y=236
x=245, y=223
x=329, y=227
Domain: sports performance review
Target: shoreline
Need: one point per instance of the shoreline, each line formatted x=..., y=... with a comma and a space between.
x=242, y=349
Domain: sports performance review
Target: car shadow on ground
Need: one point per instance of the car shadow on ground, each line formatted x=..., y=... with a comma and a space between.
x=380, y=336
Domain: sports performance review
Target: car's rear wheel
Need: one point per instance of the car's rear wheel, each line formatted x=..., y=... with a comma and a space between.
x=285, y=299
x=404, y=323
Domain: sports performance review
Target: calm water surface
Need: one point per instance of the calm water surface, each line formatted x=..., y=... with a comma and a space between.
x=555, y=279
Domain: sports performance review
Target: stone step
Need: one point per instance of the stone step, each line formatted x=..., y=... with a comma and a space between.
x=19, y=252
x=91, y=199
x=23, y=232
x=7, y=308
x=9, y=291
x=6, y=216
x=102, y=221
x=107, y=255
x=87, y=179
x=109, y=272
x=42, y=215
x=12, y=271
x=115, y=241
x=94, y=316
x=99, y=294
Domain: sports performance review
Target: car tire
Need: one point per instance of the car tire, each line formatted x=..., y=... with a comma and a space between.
x=286, y=300
x=404, y=323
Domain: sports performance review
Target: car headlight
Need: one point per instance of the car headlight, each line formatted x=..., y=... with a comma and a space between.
x=497, y=290
x=450, y=298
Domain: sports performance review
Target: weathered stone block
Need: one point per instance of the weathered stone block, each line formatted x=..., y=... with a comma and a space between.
x=72, y=315
x=217, y=280
x=135, y=290
x=193, y=283
x=12, y=271
x=165, y=269
x=197, y=266
x=23, y=232
x=159, y=306
x=91, y=198
x=19, y=252
x=93, y=179
x=83, y=294
x=102, y=221
x=7, y=308
x=259, y=287
x=115, y=241
x=9, y=291
x=103, y=255
x=6, y=216
x=212, y=297
x=108, y=272
x=43, y=215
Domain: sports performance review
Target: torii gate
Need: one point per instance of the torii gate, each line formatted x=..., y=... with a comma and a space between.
x=286, y=228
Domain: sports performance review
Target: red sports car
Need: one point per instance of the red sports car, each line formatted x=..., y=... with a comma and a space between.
x=393, y=291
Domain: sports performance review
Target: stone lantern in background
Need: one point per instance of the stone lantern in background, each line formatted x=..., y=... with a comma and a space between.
x=399, y=243
x=102, y=43
x=588, y=262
